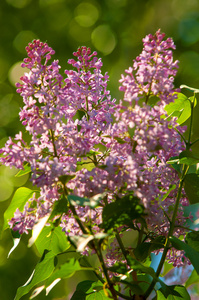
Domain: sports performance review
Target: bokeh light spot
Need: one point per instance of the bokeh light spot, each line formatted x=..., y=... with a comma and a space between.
x=86, y=14
x=8, y=109
x=16, y=72
x=78, y=34
x=16, y=181
x=103, y=39
x=6, y=188
x=22, y=39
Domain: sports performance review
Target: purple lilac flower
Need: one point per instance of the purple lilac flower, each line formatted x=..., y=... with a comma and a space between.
x=72, y=132
x=154, y=71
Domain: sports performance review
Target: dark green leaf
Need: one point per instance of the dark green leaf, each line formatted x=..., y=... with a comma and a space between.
x=191, y=253
x=21, y=196
x=192, y=239
x=60, y=206
x=92, y=202
x=52, y=238
x=80, y=242
x=42, y=271
x=78, y=295
x=136, y=265
x=188, y=158
x=143, y=250
x=134, y=286
x=119, y=268
x=174, y=292
x=119, y=140
x=89, y=290
x=191, y=186
x=89, y=286
x=66, y=178
x=174, y=162
x=122, y=212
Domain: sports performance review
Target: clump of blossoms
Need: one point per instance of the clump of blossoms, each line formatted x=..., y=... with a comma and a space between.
x=84, y=144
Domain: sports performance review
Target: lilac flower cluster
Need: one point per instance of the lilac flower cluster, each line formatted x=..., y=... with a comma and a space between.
x=72, y=133
x=154, y=71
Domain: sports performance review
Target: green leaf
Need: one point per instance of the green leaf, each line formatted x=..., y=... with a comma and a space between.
x=134, y=286
x=191, y=186
x=81, y=241
x=98, y=296
x=175, y=292
x=52, y=238
x=191, y=253
x=174, y=162
x=194, y=278
x=136, y=265
x=143, y=250
x=26, y=170
x=60, y=206
x=42, y=271
x=188, y=158
x=192, y=239
x=21, y=196
x=180, y=107
x=16, y=239
x=92, y=202
x=66, y=178
x=119, y=268
x=185, y=157
x=122, y=212
x=89, y=290
x=167, y=267
x=119, y=140
x=183, y=86
x=64, y=271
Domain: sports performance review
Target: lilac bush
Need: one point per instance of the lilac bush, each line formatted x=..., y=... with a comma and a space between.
x=103, y=169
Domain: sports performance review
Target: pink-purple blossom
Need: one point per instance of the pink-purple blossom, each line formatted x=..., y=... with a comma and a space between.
x=72, y=132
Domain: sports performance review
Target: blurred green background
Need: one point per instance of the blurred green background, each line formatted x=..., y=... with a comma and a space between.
x=115, y=29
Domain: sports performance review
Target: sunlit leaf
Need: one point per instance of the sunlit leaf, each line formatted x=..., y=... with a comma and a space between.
x=52, y=238
x=42, y=271
x=193, y=278
x=64, y=271
x=37, y=229
x=16, y=242
x=21, y=196
x=180, y=108
x=26, y=170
